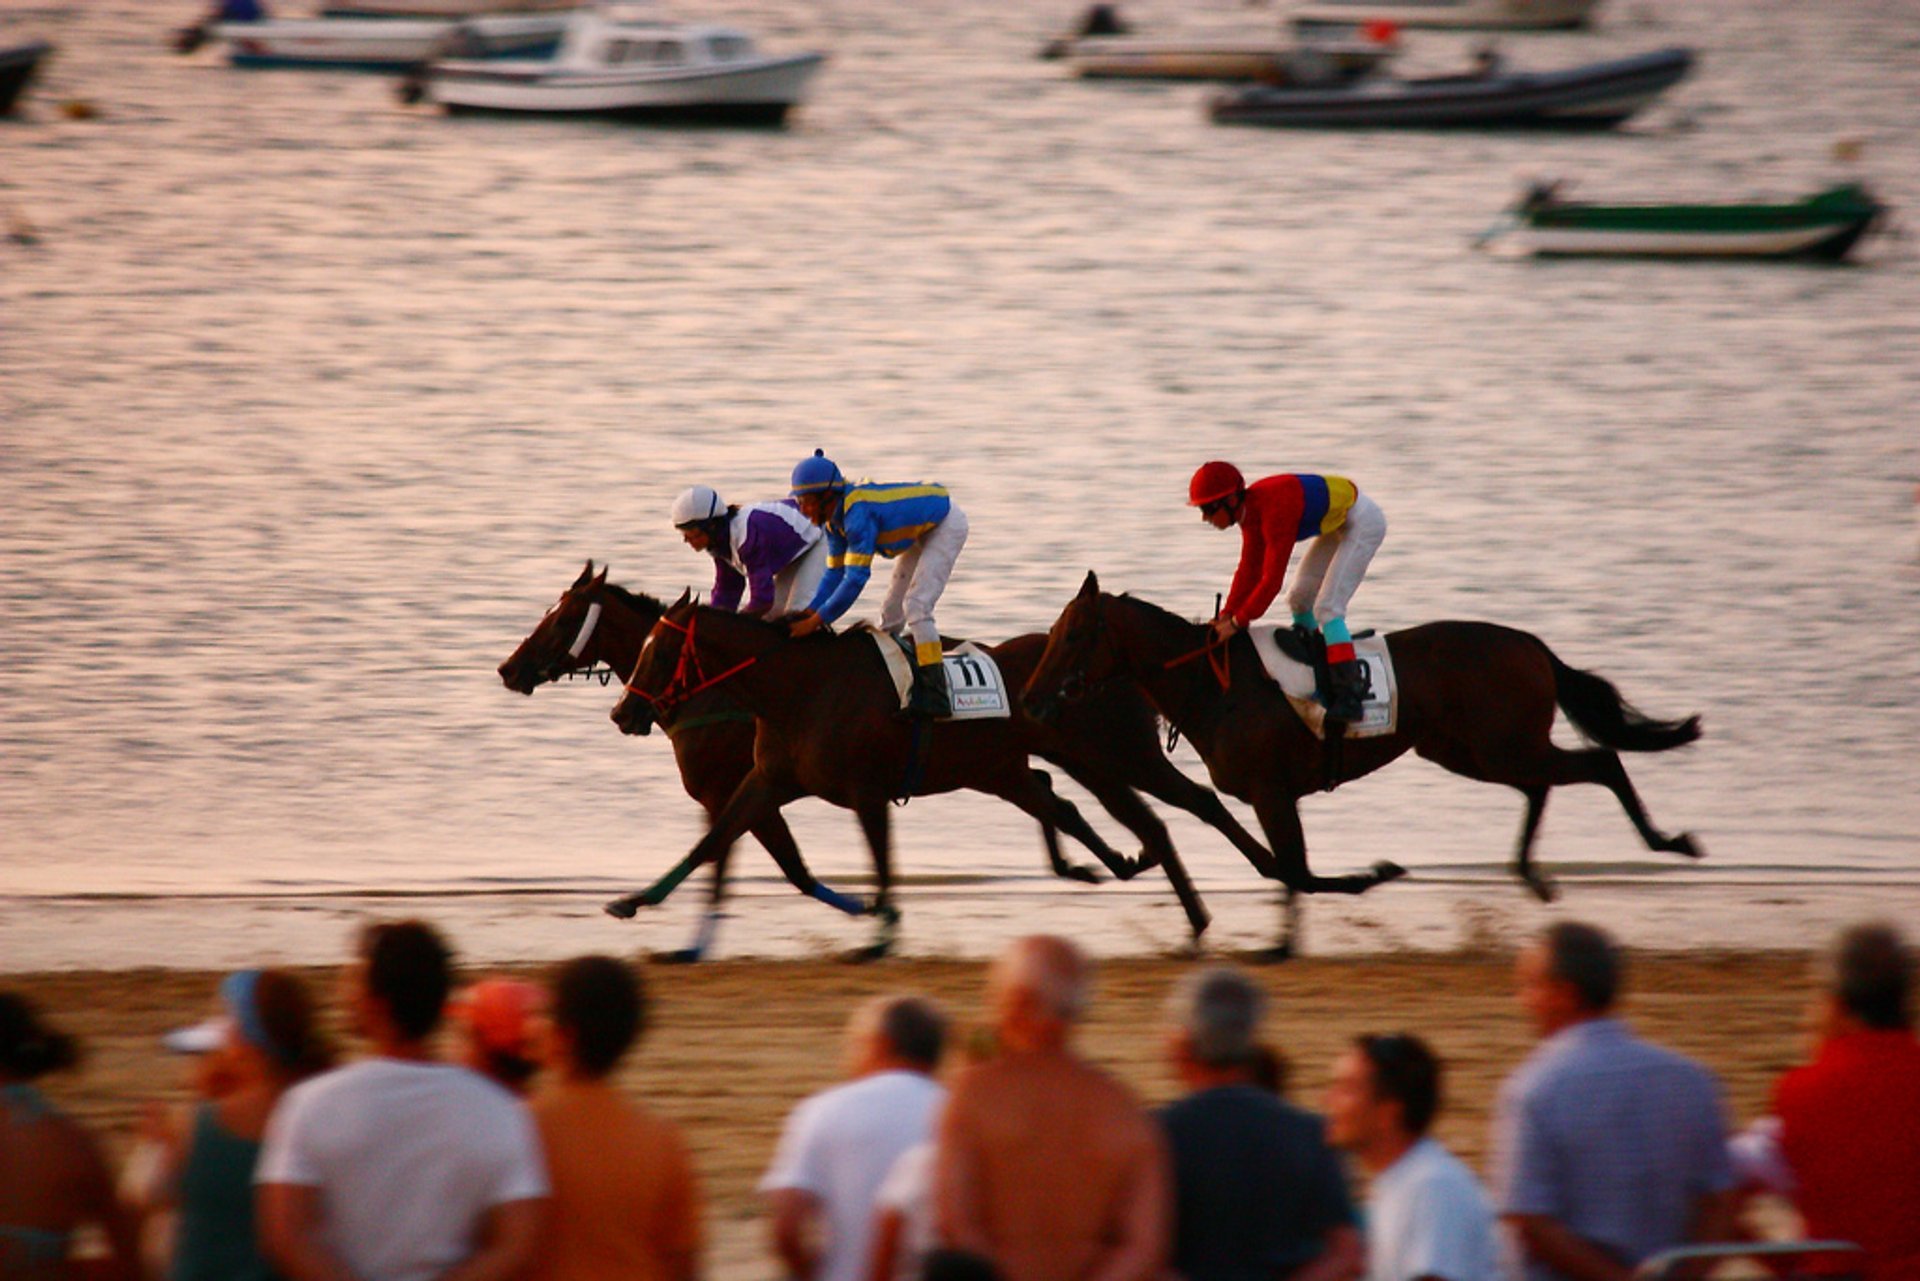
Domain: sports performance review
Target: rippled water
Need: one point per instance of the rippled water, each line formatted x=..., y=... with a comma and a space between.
x=310, y=404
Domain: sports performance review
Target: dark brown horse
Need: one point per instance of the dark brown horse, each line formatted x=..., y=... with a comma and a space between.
x=829, y=728
x=600, y=623
x=1475, y=698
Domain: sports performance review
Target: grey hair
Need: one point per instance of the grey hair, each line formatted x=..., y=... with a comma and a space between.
x=1219, y=1009
x=1053, y=970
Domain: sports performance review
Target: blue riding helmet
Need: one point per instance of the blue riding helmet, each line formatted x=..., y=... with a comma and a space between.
x=816, y=474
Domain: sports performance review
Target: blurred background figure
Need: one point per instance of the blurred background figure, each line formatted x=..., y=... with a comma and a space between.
x=497, y=1018
x=839, y=1145
x=53, y=1178
x=1849, y=1120
x=1257, y=1191
x=626, y=1201
x=1047, y=1165
x=1426, y=1216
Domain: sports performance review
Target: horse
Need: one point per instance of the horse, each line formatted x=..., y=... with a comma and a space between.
x=600, y=623
x=1476, y=698
x=829, y=728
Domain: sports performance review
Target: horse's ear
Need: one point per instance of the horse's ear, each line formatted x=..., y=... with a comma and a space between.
x=586, y=576
x=1091, y=587
x=601, y=581
x=686, y=594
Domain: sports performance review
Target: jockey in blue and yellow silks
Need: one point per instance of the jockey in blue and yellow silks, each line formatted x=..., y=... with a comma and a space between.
x=917, y=527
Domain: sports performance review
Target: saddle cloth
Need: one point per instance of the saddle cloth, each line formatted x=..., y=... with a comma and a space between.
x=1380, y=706
x=974, y=684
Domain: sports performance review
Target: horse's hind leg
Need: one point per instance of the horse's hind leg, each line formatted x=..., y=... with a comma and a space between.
x=1523, y=865
x=1032, y=791
x=1602, y=765
x=876, y=826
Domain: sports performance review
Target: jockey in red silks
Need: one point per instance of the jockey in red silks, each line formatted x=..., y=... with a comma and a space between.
x=1273, y=514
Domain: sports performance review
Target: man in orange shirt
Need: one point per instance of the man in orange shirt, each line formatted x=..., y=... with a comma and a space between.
x=1850, y=1120
x=625, y=1200
x=1047, y=1165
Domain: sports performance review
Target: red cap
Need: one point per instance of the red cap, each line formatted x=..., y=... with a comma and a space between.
x=501, y=1013
x=1214, y=481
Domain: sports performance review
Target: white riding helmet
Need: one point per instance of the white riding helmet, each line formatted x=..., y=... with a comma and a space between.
x=695, y=505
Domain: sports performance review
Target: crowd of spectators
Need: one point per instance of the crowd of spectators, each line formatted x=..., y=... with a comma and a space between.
x=523, y=1158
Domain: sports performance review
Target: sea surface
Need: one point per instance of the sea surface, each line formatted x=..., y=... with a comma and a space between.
x=312, y=403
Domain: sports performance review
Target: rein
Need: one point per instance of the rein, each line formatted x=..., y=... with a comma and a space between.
x=689, y=677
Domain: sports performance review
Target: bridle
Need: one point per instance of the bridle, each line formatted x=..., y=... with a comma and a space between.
x=689, y=676
x=1076, y=684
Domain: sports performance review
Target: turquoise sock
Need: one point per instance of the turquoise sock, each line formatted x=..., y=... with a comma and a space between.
x=1335, y=630
x=1304, y=618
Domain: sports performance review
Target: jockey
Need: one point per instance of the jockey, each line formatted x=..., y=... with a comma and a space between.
x=1346, y=527
x=916, y=526
x=767, y=549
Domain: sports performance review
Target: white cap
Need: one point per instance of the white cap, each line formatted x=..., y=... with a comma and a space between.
x=201, y=1038
x=698, y=503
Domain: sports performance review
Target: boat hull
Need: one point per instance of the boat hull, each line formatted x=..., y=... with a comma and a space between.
x=383, y=43
x=757, y=93
x=1825, y=226
x=1597, y=96
x=443, y=9
x=1123, y=59
x=1468, y=15
x=18, y=63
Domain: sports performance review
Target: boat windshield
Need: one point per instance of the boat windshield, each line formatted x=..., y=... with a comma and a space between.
x=730, y=48
x=661, y=53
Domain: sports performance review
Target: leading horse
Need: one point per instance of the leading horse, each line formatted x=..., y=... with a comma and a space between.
x=1476, y=698
x=829, y=728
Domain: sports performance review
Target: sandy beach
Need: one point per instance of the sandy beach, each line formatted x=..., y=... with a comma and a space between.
x=735, y=1044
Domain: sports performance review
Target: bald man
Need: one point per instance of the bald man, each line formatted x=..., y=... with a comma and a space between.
x=1047, y=1165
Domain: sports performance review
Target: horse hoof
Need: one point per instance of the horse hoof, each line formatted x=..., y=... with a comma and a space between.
x=679, y=956
x=624, y=908
x=1274, y=955
x=1543, y=888
x=1148, y=860
x=1085, y=875
x=1685, y=846
x=1385, y=871
x=870, y=953
x=889, y=914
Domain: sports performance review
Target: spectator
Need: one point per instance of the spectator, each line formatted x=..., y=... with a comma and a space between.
x=267, y=1040
x=1850, y=1119
x=53, y=1178
x=1047, y=1165
x=838, y=1146
x=1606, y=1149
x=399, y=1168
x=1427, y=1219
x=625, y=1200
x=903, y=1236
x=1257, y=1191
x=497, y=1017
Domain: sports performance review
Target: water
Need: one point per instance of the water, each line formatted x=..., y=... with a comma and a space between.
x=310, y=404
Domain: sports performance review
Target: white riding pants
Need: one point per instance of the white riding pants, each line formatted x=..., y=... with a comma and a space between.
x=793, y=586
x=1332, y=568
x=919, y=576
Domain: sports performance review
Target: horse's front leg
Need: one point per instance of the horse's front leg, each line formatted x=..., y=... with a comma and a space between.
x=877, y=826
x=750, y=803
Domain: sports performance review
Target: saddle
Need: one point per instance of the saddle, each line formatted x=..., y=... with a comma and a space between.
x=1296, y=659
x=974, y=684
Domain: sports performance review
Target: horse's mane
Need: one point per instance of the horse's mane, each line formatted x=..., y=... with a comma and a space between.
x=1157, y=612
x=638, y=602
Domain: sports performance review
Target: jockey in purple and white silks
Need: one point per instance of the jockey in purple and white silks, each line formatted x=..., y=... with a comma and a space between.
x=769, y=551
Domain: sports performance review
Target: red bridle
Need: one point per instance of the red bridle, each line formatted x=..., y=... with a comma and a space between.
x=1215, y=651
x=688, y=678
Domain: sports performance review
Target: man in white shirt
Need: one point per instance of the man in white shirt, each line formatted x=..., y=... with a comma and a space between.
x=397, y=1167
x=839, y=1144
x=1427, y=1218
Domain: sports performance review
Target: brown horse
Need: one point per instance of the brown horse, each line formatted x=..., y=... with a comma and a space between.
x=600, y=623
x=1476, y=698
x=828, y=728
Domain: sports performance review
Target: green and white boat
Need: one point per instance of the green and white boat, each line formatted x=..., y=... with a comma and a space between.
x=1826, y=226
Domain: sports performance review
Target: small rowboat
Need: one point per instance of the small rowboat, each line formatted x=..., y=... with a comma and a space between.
x=1272, y=61
x=1826, y=225
x=17, y=65
x=1482, y=15
x=383, y=43
x=1596, y=96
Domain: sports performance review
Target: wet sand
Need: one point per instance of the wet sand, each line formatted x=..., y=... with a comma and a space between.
x=735, y=1044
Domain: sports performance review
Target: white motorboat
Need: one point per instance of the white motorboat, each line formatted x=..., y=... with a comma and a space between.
x=617, y=63
x=385, y=43
x=1270, y=60
x=1493, y=15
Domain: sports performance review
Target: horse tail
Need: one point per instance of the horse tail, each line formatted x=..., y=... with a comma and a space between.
x=1597, y=709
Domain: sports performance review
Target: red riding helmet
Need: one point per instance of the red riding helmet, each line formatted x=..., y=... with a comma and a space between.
x=1214, y=481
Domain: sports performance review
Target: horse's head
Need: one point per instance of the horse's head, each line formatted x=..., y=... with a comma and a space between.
x=565, y=640
x=662, y=666
x=1081, y=653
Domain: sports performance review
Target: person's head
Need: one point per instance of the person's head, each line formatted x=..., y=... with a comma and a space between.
x=817, y=487
x=29, y=1049
x=701, y=517
x=1383, y=1097
x=1868, y=984
x=1571, y=974
x=1215, y=1016
x=598, y=1010
x=893, y=1033
x=399, y=982
x=497, y=1018
x=1218, y=490
x=1038, y=989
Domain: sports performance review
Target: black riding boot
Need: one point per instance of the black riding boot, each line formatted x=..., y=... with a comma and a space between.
x=928, y=699
x=1345, y=684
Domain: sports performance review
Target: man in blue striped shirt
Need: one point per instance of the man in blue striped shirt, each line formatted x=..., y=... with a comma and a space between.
x=914, y=525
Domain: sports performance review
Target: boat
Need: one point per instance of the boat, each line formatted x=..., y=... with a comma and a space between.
x=18, y=62
x=1481, y=15
x=383, y=44
x=1826, y=225
x=1594, y=96
x=444, y=9
x=1272, y=61
x=635, y=66
x=1099, y=19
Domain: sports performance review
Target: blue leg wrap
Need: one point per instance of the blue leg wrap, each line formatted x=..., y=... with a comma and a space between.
x=837, y=900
